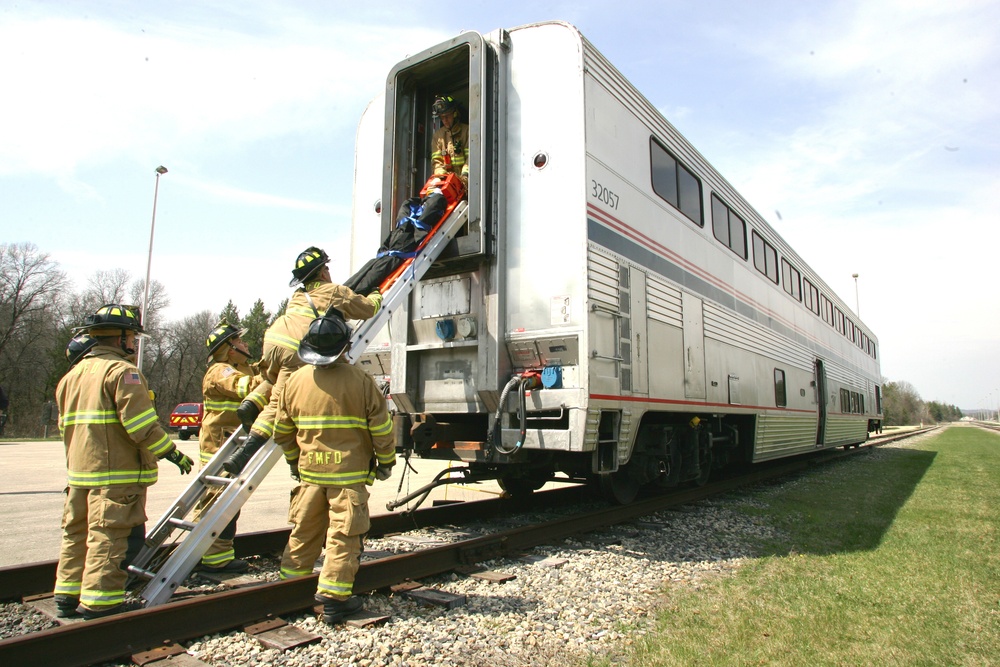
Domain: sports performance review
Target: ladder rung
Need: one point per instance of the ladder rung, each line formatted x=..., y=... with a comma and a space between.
x=220, y=481
x=139, y=572
x=181, y=523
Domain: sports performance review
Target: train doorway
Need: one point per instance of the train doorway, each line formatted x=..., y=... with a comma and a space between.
x=820, y=402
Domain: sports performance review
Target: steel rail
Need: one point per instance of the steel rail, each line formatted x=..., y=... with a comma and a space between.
x=110, y=638
x=185, y=619
x=27, y=579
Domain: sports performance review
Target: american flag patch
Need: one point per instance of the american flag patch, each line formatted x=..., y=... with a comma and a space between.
x=132, y=378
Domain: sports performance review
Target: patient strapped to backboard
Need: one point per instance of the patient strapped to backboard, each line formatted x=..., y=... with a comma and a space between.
x=416, y=220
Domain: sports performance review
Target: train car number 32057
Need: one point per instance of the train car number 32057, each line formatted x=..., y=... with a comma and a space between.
x=601, y=193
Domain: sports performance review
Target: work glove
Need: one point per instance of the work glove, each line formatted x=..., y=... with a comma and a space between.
x=376, y=298
x=247, y=412
x=179, y=459
x=383, y=472
x=293, y=468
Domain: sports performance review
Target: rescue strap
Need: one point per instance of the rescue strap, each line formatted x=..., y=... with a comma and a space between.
x=311, y=304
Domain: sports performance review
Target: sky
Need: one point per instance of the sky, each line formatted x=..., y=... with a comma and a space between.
x=866, y=132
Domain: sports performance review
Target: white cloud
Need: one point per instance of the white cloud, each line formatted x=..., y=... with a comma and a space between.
x=89, y=91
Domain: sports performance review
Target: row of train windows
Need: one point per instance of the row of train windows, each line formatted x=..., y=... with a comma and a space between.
x=679, y=187
x=850, y=401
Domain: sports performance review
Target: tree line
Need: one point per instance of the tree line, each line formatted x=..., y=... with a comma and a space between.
x=38, y=313
x=902, y=405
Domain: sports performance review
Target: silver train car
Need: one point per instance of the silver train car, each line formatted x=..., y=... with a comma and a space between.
x=613, y=310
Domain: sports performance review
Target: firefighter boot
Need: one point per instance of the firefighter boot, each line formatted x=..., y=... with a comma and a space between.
x=239, y=459
x=235, y=566
x=66, y=606
x=247, y=412
x=335, y=609
x=90, y=614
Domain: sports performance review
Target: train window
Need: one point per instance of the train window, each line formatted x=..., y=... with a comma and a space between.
x=779, y=388
x=729, y=227
x=827, y=309
x=845, y=400
x=791, y=279
x=675, y=183
x=810, y=296
x=838, y=320
x=765, y=258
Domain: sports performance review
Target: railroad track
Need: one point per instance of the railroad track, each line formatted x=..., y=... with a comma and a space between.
x=85, y=643
x=987, y=425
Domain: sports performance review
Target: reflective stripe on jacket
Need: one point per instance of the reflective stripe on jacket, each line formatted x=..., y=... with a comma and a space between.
x=108, y=423
x=335, y=421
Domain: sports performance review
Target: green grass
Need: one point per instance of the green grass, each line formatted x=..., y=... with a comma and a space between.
x=892, y=558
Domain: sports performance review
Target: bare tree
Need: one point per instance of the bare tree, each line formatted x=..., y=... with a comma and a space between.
x=30, y=287
x=178, y=360
x=158, y=300
x=109, y=286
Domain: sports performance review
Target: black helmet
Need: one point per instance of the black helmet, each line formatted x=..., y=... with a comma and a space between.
x=222, y=333
x=311, y=260
x=443, y=104
x=325, y=341
x=111, y=319
x=77, y=347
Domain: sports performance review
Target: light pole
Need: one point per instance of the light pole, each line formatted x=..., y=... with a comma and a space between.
x=149, y=263
x=857, y=303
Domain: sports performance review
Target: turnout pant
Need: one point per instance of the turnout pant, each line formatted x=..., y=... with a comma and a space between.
x=338, y=513
x=221, y=552
x=96, y=526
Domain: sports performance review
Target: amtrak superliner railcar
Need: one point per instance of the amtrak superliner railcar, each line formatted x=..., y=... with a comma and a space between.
x=613, y=310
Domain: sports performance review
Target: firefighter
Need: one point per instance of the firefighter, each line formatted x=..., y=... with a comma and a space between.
x=336, y=432
x=113, y=442
x=450, y=142
x=228, y=379
x=314, y=295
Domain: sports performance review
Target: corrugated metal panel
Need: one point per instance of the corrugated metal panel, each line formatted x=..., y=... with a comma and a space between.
x=846, y=429
x=602, y=278
x=597, y=66
x=729, y=328
x=784, y=435
x=663, y=302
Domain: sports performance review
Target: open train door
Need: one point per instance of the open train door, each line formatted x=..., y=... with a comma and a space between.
x=463, y=68
x=820, y=382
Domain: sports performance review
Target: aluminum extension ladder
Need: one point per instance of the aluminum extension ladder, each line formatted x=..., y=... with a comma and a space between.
x=166, y=569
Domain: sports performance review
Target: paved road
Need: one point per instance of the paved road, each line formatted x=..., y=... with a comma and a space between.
x=33, y=476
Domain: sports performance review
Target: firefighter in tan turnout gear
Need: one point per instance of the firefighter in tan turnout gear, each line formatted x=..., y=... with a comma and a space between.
x=336, y=432
x=113, y=443
x=450, y=143
x=315, y=295
x=228, y=380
